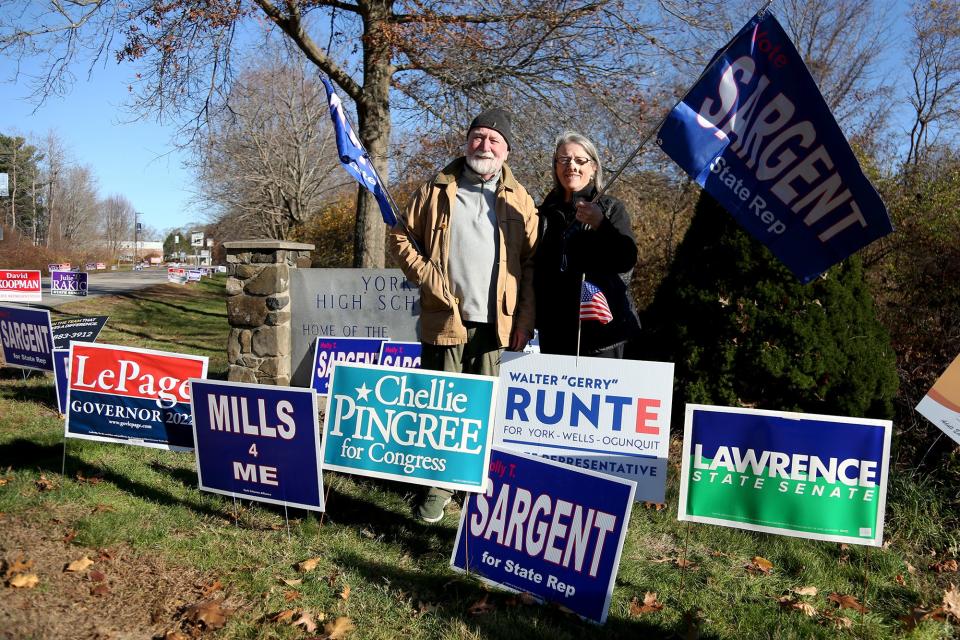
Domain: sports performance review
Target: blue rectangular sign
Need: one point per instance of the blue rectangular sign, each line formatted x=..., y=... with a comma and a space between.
x=548, y=529
x=401, y=354
x=258, y=442
x=329, y=351
x=424, y=427
x=61, y=358
x=758, y=136
x=27, y=338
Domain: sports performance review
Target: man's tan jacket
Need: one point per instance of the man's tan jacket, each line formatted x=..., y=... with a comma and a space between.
x=428, y=218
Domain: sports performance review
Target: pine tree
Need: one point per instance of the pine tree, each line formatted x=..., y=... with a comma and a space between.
x=743, y=331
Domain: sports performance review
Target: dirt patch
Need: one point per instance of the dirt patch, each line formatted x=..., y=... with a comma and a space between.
x=122, y=595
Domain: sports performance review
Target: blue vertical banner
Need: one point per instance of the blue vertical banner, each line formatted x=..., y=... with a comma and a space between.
x=423, y=427
x=755, y=132
x=327, y=352
x=547, y=529
x=401, y=354
x=259, y=442
x=27, y=338
x=61, y=360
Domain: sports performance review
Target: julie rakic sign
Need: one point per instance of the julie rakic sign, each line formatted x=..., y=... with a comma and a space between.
x=68, y=283
x=797, y=474
x=547, y=529
x=130, y=395
x=758, y=136
x=27, y=338
x=257, y=442
x=20, y=286
x=329, y=351
x=585, y=413
x=423, y=427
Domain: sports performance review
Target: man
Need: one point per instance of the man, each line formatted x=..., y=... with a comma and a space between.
x=475, y=229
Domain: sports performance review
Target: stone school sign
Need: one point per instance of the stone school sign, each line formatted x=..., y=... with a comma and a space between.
x=353, y=303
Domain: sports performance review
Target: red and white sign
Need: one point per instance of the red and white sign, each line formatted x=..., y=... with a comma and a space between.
x=20, y=286
x=63, y=266
x=100, y=265
x=131, y=395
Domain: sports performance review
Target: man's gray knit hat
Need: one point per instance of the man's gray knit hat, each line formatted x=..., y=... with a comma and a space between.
x=496, y=119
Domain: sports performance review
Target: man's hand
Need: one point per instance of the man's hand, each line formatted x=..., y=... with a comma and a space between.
x=519, y=339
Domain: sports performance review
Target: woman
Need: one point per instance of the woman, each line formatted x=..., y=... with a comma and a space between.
x=579, y=237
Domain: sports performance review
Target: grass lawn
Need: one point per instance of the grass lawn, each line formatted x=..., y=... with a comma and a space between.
x=169, y=560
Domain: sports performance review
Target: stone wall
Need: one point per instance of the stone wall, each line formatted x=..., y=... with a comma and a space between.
x=258, y=308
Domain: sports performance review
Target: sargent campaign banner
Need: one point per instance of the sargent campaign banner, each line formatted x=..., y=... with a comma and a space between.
x=21, y=285
x=258, y=442
x=329, y=351
x=81, y=329
x=547, y=529
x=27, y=338
x=400, y=354
x=795, y=474
x=423, y=427
x=585, y=413
x=130, y=395
x=68, y=283
x=941, y=405
x=758, y=136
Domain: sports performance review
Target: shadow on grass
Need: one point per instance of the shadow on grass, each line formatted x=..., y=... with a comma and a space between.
x=454, y=595
x=156, y=295
x=26, y=454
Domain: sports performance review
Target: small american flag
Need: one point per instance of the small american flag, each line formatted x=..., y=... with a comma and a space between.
x=593, y=304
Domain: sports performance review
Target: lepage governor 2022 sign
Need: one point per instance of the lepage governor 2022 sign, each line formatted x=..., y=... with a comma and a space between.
x=423, y=427
x=584, y=412
x=130, y=395
x=258, y=442
x=796, y=474
x=547, y=529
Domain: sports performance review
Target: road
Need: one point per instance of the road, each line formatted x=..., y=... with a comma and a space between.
x=104, y=283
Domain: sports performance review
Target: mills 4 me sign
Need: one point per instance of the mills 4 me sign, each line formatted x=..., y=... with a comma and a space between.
x=797, y=474
x=130, y=395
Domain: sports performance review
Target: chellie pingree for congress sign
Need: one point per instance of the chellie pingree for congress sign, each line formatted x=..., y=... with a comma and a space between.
x=796, y=474
x=424, y=427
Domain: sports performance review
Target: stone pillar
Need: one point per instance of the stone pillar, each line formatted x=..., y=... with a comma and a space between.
x=258, y=308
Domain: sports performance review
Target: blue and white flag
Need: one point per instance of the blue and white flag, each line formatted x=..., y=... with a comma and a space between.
x=354, y=157
x=755, y=132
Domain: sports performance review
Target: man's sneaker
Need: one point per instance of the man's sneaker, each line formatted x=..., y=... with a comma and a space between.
x=431, y=507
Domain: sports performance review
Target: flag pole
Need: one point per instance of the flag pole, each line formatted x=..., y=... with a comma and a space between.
x=583, y=279
x=656, y=128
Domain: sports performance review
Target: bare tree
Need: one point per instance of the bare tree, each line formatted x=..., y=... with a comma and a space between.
x=116, y=222
x=442, y=59
x=76, y=206
x=269, y=163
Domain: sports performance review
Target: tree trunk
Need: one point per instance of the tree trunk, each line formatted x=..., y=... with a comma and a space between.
x=373, y=115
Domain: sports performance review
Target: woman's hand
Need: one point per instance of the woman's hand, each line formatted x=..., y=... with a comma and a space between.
x=589, y=213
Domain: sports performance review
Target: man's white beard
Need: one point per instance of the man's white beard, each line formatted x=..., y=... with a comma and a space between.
x=484, y=166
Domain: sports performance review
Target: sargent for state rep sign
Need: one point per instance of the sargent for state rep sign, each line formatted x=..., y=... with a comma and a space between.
x=258, y=442
x=131, y=395
x=547, y=529
x=797, y=474
x=27, y=338
x=423, y=427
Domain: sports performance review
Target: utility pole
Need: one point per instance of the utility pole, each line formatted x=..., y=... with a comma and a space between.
x=136, y=236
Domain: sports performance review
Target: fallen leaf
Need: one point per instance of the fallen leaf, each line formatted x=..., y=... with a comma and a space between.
x=19, y=565
x=24, y=581
x=656, y=506
x=44, y=484
x=284, y=616
x=291, y=583
x=308, y=565
x=805, y=591
x=899, y=580
x=846, y=602
x=719, y=554
x=104, y=554
x=649, y=604
x=211, y=589
x=96, y=576
x=4, y=481
x=805, y=608
x=951, y=601
x=481, y=606
x=345, y=594
x=366, y=533
x=332, y=578
x=99, y=590
x=947, y=566
x=915, y=617
x=840, y=622
x=760, y=565
x=306, y=621
x=69, y=536
x=424, y=608
x=209, y=613
x=338, y=628
x=911, y=569
x=79, y=565
x=175, y=635
x=95, y=479
x=684, y=563
x=102, y=508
